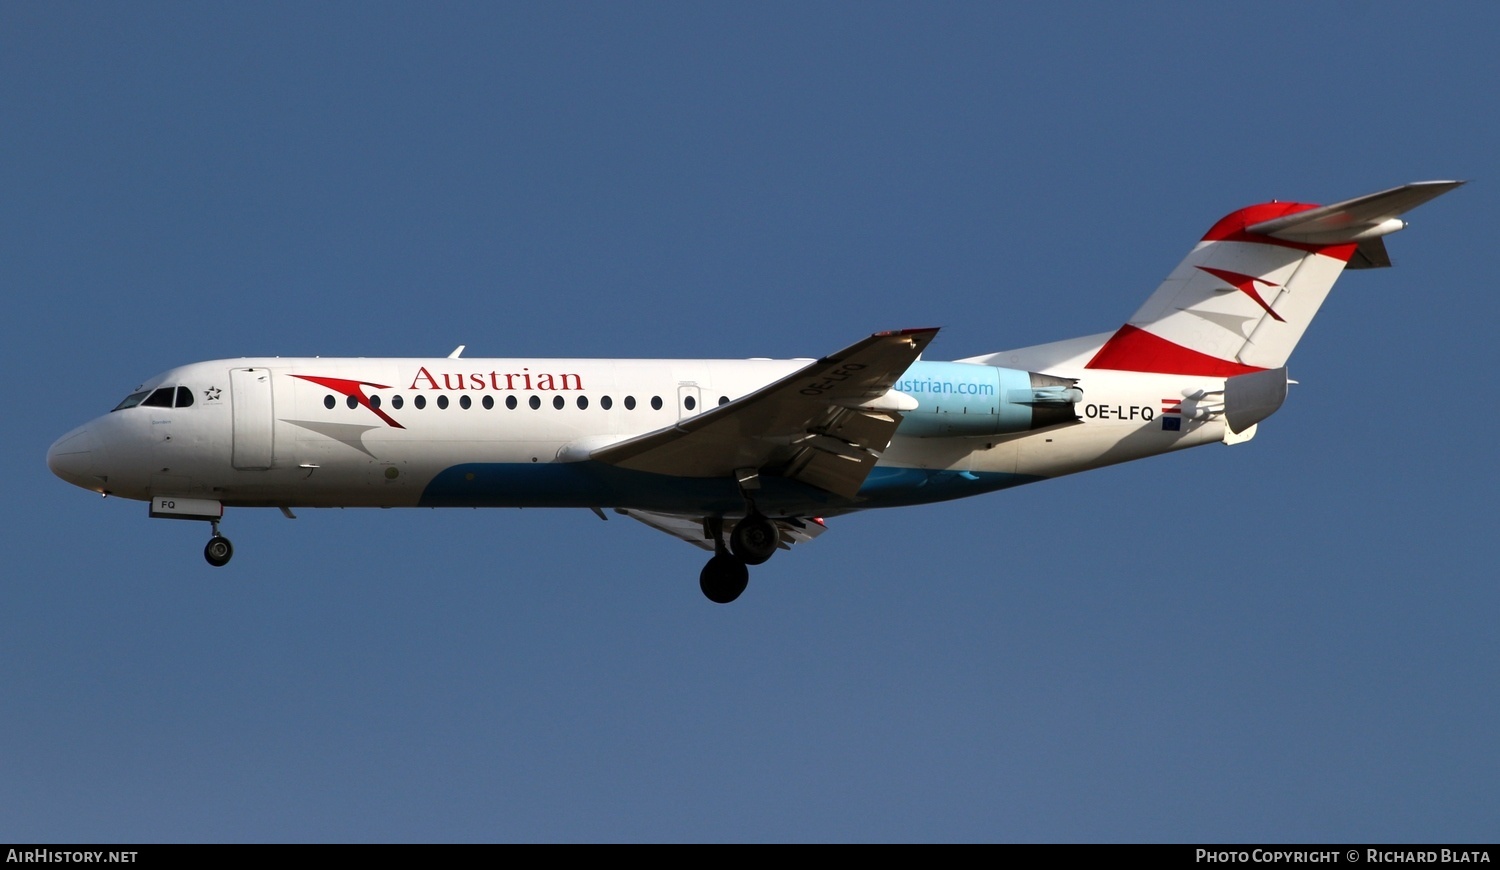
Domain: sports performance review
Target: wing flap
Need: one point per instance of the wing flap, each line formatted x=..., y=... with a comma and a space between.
x=691, y=528
x=839, y=473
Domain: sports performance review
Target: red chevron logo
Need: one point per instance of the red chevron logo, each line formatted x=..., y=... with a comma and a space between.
x=1245, y=284
x=355, y=391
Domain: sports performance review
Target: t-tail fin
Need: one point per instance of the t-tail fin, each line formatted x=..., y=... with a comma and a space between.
x=1246, y=293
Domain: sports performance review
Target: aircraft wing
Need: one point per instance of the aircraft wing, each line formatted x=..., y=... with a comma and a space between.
x=691, y=528
x=821, y=425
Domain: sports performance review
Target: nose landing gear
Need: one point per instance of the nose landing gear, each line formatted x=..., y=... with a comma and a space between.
x=218, y=551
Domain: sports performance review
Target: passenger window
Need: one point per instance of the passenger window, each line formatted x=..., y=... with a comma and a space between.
x=630, y=403
x=352, y=403
x=464, y=402
x=535, y=402
x=656, y=403
x=583, y=402
x=605, y=402
x=184, y=397
x=420, y=402
x=375, y=401
x=723, y=400
x=329, y=402
x=443, y=402
x=690, y=403
x=162, y=398
x=489, y=402
x=131, y=401
x=396, y=402
x=510, y=402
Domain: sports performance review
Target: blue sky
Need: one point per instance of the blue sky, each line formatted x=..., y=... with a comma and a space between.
x=1290, y=640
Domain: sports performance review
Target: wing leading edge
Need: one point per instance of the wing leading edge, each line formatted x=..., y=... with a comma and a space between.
x=819, y=425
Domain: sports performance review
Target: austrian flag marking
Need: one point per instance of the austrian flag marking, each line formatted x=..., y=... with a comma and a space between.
x=1171, y=415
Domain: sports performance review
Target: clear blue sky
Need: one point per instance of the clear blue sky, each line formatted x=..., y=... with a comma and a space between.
x=1289, y=640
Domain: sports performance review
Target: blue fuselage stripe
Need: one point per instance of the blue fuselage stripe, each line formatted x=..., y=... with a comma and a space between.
x=595, y=484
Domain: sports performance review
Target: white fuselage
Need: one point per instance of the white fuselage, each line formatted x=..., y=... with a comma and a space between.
x=518, y=432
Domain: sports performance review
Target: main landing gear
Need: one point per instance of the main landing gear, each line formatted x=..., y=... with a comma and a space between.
x=218, y=551
x=723, y=578
x=752, y=541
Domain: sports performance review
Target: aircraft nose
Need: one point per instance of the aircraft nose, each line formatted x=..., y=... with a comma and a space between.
x=71, y=457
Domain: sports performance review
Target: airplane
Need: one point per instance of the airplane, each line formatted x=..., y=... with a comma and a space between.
x=744, y=457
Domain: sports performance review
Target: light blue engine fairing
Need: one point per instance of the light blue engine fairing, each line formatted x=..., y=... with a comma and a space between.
x=967, y=399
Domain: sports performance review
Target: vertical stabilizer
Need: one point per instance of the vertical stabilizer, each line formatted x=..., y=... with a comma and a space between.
x=1245, y=294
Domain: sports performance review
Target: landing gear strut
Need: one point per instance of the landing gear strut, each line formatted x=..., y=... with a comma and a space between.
x=752, y=541
x=218, y=551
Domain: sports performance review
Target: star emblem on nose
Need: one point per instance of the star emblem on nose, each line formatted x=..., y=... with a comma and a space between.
x=212, y=394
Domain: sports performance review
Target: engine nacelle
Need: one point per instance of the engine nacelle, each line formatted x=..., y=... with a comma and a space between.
x=968, y=399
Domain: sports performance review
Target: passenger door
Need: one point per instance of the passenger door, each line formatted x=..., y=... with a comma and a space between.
x=250, y=389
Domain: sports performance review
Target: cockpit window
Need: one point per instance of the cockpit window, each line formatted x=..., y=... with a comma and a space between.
x=131, y=400
x=162, y=398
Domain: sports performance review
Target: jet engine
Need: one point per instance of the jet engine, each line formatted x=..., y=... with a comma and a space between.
x=969, y=399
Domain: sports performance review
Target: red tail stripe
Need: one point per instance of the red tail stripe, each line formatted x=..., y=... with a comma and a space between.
x=1231, y=228
x=1133, y=349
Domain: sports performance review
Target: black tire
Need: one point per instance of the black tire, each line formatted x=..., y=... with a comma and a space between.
x=723, y=578
x=218, y=551
x=754, y=539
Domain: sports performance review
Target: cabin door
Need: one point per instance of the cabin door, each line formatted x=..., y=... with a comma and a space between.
x=251, y=391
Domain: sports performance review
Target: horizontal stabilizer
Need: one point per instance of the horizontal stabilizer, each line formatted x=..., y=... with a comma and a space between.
x=1353, y=220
